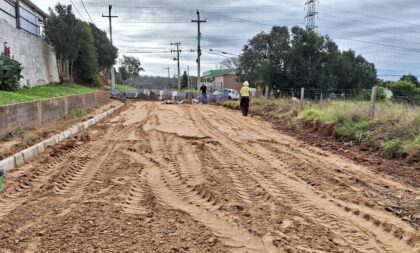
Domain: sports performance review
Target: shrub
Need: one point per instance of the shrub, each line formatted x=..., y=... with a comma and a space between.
x=97, y=81
x=392, y=148
x=10, y=73
x=404, y=91
x=413, y=148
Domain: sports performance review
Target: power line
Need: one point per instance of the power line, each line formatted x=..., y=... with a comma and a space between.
x=83, y=4
x=77, y=9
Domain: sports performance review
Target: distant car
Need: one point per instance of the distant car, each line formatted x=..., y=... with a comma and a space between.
x=231, y=94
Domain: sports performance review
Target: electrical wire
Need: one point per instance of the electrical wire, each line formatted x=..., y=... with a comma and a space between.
x=78, y=11
x=83, y=4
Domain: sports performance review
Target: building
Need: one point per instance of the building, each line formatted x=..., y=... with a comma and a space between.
x=30, y=17
x=222, y=79
x=21, y=28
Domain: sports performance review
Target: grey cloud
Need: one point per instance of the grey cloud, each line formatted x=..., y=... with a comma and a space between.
x=231, y=23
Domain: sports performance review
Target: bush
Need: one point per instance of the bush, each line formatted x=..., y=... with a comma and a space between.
x=392, y=148
x=97, y=81
x=367, y=94
x=10, y=73
x=404, y=91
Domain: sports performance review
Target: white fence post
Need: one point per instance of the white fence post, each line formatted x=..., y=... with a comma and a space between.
x=302, y=97
x=373, y=102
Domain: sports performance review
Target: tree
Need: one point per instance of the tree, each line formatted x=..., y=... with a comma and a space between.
x=184, y=80
x=86, y=64
x=130, y=67
x=124, y=74
x=303, y=59
x=65, y=33
x=254, y=59
x=230, y=63
x=107, y=53
x=411, y=78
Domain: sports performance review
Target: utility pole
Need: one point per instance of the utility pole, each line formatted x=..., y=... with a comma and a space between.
x=169, y=77
x=198, y=21
x=110, y=36
x=311, y=14
x=177, y=51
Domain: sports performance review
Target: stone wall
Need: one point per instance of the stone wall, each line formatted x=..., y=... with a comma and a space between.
x=35, y=55
x=33, y=114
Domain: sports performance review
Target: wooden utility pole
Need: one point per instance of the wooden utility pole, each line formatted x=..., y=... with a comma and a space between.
x=198, y=21
x=177, y=51
x=110, y=17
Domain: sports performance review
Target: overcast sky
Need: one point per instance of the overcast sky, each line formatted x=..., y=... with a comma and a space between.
x=385, y=32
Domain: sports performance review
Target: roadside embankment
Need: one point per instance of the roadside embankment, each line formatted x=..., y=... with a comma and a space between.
x=391, y=139
x=36, y=113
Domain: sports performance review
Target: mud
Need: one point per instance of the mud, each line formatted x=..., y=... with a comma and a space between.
x=169, y=178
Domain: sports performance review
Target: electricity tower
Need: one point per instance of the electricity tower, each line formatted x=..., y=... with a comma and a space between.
x=177, y=51
x=310, y=18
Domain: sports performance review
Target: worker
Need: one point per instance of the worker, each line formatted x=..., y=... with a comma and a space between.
x=203, y=90
x=245, y=94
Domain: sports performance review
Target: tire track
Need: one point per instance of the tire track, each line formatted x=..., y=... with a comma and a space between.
x=164, y=182
x=34, y=180
x=361, y=238
x=80, y=172
x=188, y=163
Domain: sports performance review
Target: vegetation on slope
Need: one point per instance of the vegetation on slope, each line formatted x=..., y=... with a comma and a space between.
x=42, y=92
x=395, y=131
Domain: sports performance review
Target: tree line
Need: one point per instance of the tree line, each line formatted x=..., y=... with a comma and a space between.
x=301, y=58
x=82, y=49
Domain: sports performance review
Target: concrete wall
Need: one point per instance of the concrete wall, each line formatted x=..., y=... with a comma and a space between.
x=35, y=55
x=33, y=114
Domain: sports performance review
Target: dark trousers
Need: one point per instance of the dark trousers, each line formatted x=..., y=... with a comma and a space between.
x=245, y=105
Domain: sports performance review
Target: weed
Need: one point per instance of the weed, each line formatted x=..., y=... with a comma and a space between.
x=76, y=114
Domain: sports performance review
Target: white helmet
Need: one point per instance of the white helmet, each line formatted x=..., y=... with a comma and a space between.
x=246, y=84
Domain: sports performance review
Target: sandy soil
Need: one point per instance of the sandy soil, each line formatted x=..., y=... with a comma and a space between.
x=13, y=144
x=175, y=178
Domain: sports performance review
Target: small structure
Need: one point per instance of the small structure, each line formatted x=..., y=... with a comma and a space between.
x=21, y=28
x=23, y=15
x=222, y=79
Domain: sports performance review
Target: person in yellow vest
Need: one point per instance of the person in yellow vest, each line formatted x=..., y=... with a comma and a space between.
x=245, y=93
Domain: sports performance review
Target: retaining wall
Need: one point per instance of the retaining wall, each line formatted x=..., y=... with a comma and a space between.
x=33, y=114
x=30, y=153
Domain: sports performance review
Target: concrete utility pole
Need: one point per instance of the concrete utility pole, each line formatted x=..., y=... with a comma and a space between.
x=177, y=51
x=110, y=36
x=169, y=77
x=198, y=21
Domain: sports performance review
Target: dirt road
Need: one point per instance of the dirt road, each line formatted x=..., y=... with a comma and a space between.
x=169, y=178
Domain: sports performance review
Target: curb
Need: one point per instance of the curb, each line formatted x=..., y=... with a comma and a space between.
x=30, y=153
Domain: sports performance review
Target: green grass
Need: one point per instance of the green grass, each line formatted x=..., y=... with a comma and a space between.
x=394, y=132
x=123, y=87
x=76, y=114
x=42, y=92
x=1, y=183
